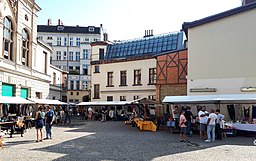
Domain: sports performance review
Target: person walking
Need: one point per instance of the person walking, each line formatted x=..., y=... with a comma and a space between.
x=189, y=117
x=39, y=124
x=90, y=112
x=211, y=126
x=49, y=118
x=219, y=124
x=104, y=114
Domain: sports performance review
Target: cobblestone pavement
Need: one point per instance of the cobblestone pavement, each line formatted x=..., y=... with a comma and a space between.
x=112, y=140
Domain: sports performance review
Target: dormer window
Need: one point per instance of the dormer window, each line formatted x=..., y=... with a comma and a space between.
x=91, y=29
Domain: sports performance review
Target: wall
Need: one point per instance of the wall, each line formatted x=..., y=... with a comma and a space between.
x=222, y=54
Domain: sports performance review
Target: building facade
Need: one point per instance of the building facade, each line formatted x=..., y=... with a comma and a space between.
x=126, y=71
x=24, y=61
x=171, y=73
x=222, y=63
x=72, y=53
x=57, y=84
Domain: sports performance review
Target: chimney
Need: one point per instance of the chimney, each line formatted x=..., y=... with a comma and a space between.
x=59, y=22
x=148, y=33
x=245, y=2
x=49, y=22
x=105, y=37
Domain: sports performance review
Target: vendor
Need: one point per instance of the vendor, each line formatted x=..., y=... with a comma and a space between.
x=175, y=116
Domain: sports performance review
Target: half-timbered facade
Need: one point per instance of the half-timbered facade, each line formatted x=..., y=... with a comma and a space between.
x=171, y=72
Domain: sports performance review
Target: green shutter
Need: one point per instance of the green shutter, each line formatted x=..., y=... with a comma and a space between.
x=24, y=92
x=7, y=90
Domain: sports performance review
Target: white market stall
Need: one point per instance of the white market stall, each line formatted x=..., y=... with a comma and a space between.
x=218, y=100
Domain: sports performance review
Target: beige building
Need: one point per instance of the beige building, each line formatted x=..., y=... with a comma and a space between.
x=24, y=61
x=221, y=52
x=126, y=71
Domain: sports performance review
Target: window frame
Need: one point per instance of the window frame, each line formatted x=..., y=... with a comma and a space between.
x=123, y=78
x=9, y=39
x=96, y=94
x=152, y=76
x=137, y=77
x=110, y=79
x=25, y=48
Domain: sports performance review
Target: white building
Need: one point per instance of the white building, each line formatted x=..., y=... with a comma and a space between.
x=24, y=61
x=57, y=84
x=126, y=71
x=221, y=52
x=72, y=52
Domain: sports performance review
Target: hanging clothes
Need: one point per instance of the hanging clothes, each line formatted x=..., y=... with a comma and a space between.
x=246, y=111
x=231, y=111
x=254, y=112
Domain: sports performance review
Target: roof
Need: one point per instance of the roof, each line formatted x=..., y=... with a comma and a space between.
x=68, y=29
x=222, y=98
x=187, y=25
x=47, y=101
x=145, y=46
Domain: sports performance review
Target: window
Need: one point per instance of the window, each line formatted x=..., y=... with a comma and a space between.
x=123, y=78
x=54, y=79
x=77, y=93
x=70, y=68
x=77, y=56
x=64, y=55
x=71, y=100
x=96, y=91
x=58, y=54
x=152, y=76
x=85, y=85
x=49, y=38
x=65, y=41
x=87, y=40
x=8, y=39
x=39, y=95
x=78, y=69
x=85, y=71
x=136, y=97
x=77, y=85
x=152, y=97
x=58, y=41
x=50, y=44
x=71, y=93
x=72, y=85
x=85, y=53
x=110, y=79
x=109, y=98
x=25, y=48
x=122, y=98
x=71, y=43
x=45, y=62
x=78, y=41
x=95, y=39
x=91, y=29
x=76, y=100
x=71, y=55
x=40, y=37
x=137, y=77
x=97, y=69
x=50, y=59
x=101, y=54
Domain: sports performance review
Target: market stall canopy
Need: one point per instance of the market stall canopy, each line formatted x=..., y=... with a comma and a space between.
x=115, y=103
x=47, y=101
x=222, y=99
x=14, y=100
x=103, y=103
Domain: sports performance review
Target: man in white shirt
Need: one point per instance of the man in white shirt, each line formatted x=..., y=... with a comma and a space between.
x=219, y=124
x=211, y=126
x=203, y=115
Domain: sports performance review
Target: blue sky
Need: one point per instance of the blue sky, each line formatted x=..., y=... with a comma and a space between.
x=128, y=19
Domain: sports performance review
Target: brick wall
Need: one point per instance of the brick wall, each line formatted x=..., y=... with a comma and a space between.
x=172, y=90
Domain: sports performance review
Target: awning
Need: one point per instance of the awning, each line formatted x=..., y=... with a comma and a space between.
x=104, y=103
x=47, y=101
x=115, y=103
x=14, y=100
x=207, y=99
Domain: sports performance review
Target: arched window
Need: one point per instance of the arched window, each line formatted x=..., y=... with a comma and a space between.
x=8, y=39
x=25, y=48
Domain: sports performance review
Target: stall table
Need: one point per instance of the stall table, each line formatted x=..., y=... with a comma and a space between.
x=8, y=125
x=145, y=125
x=242, y=127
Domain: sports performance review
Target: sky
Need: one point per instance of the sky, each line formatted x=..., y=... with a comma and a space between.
x=128, y=19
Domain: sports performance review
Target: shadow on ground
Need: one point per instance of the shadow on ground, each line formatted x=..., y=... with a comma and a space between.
x=116, y=141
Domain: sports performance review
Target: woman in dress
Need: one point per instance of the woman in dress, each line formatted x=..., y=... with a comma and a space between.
x=39, y=124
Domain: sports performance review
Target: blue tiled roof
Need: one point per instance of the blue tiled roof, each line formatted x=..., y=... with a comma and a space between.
x=145, y=46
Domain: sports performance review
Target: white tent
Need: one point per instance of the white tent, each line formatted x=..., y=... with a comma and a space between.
x=221, y=99
x=14, y=100
x=103, y=103
x=47, y=101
